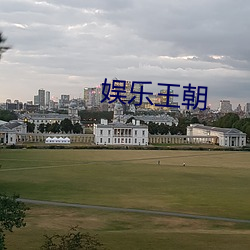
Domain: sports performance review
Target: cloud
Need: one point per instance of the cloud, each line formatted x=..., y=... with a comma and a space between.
x=204, y=42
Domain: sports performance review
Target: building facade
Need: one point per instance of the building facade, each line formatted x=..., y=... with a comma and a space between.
x=120, y=133
x=9, y=131
x=227, y=137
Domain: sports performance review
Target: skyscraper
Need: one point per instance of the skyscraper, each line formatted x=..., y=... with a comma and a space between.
x=64, y=101
x=225, y=106
x=41, y=98
x=92, y=97
x=47, y=99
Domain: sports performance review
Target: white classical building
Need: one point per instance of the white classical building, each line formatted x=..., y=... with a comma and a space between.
x=9, y=131
x=227, y=137
x=120, y=134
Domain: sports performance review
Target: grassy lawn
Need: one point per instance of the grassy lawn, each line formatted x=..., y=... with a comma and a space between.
x=212, y=183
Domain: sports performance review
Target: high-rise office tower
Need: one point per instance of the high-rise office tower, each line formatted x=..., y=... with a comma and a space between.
x=41, y=97
x=47, y=99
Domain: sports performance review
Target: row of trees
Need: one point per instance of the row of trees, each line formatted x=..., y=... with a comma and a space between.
x=232, y=120
x=65, y=126
x=164, y=129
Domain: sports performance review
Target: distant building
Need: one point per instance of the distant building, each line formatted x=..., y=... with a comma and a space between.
x=41, y=97
x=16, y=105
x=36, y=100
x=47, y=99
x=227, y=137
x=225, y=106
x=31, y=108
x=247, y=110
x=92, y=97
x=64, y=101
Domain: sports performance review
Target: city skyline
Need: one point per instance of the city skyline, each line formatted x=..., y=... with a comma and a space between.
x=198, y=42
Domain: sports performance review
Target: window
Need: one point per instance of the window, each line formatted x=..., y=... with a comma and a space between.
x=135, y=140
x=100, y=140
x=118, y=140
x=143, y=132
x=108, y=140
x=101, y=131
x=126, y=141
x=115, y=140
x=135, y=132
x=129, y=140
x=142, y=141
x=109, y=131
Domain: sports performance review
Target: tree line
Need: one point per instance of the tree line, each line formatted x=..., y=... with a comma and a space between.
x=232, y=120
x=164, y=129
x=65, y=126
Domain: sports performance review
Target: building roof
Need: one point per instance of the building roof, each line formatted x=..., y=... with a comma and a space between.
x=2, y=122
x=10, y=125
x=48, y=116
x=153, y=118
x=221, y=130
x=121, y=125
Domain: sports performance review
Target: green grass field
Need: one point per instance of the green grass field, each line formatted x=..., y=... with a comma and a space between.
x=212, y=183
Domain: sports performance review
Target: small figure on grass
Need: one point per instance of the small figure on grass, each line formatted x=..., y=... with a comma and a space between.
x=183, y=164
x=159, y=162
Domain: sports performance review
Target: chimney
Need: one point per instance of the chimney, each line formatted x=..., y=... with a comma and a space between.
x=104, y=121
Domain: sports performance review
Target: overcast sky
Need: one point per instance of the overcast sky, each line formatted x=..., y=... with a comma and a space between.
x=66, y=45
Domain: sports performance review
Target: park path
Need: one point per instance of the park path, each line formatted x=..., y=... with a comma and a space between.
x=132, y=210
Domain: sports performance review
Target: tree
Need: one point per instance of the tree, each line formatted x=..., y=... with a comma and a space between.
x=12, y=214
x=227, y=120
x=152, y=128
x=30, y=127
x=66, y=125
x=41, y=127
x=48, y=127
x=7, y=115
x=194, y=119
x=77, y=128
x=55, y=127
x=2, y=47
x=73, y=240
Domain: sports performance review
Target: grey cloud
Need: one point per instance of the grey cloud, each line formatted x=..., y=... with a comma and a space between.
x=199, y=41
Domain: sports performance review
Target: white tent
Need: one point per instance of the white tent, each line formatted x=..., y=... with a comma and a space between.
x=67, y=140
x=56, y=140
